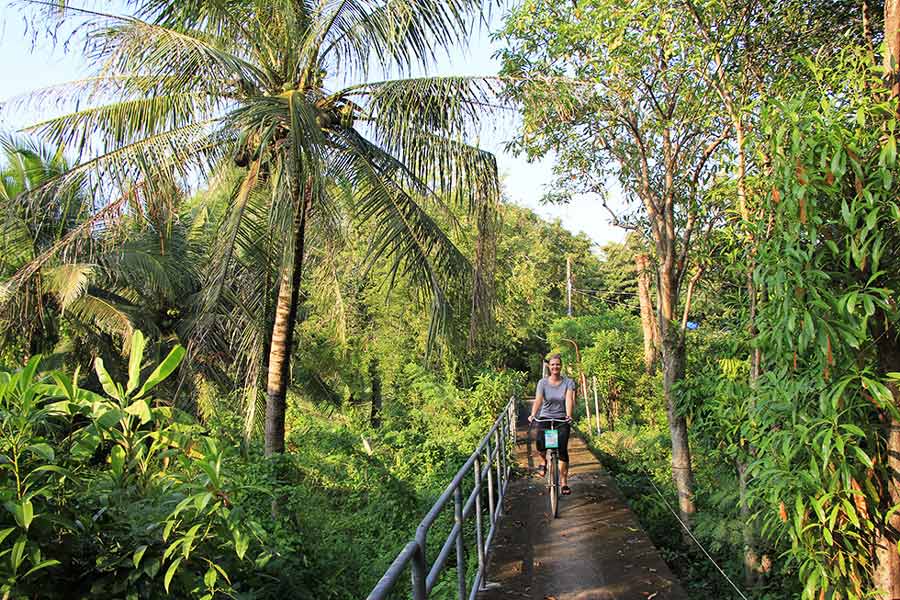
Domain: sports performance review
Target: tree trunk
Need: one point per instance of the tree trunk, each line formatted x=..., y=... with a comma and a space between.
x=751, y=555
x=648, y=318
x=673, y=360
x=887, y=569
x=283, y=329
x=611, y=408
x=375, y=378
x=892, y=45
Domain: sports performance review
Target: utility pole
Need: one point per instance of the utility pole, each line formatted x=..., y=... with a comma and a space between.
x=569, y=284
x=584, y=387
x=596, y=404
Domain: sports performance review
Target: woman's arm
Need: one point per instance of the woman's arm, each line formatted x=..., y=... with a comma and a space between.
x=570, y=403
x=536, y=405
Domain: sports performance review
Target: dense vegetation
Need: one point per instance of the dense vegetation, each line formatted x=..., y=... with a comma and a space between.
x=251, y=325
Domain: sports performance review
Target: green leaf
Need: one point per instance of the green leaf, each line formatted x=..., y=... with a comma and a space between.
x=140, y=408
x=86, y=442
x=241, y=543
x=853, y=429
x=138, y=555
x=860, y=453
x=106, y=381
x=27, y=514
x=117, y=460
x=890, y=151
x=165, y=368
x=152, y=568
x=5, y=533
x=42, y=450
x=170, y=572
x=210, y=578
x=134, y=361
x=22, y=512
x=817, y=506
x=188, y=541
x=41, y=565
x=17, y=555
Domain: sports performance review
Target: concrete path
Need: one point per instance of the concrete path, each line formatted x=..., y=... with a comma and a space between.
x=595, y=550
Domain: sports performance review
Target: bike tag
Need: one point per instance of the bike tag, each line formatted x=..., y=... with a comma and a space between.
x=551, y=438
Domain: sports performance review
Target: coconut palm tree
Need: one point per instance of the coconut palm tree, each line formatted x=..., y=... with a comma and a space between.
x=30, y=318
x=139, y=273
x=282, y=89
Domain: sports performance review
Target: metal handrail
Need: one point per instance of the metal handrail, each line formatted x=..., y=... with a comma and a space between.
x=495, y=447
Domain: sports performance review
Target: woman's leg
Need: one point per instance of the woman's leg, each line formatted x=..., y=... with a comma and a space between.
x=542, y=449
x=564, y=454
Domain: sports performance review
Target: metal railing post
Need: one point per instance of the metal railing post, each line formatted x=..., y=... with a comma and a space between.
x=494, y=446
x=499, y=447
x=490, y=481
x=513, y=416
x=418, y=573
x=479, y=536
x=504, y=426
x=460, y=543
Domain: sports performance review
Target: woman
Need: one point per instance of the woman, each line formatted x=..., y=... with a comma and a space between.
x=555, y=399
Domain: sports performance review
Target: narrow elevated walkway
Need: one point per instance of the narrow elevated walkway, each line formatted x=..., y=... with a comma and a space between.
x=595, y=550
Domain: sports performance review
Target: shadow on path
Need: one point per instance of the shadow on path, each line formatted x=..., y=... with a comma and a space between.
x=595, y=550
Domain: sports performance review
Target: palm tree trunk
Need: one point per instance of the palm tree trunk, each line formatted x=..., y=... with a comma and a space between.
x=283, y=329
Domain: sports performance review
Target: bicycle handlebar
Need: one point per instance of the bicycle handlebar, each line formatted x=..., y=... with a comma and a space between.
x=545, y=420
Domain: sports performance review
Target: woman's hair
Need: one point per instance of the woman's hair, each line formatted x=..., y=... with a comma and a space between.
x=556, y=356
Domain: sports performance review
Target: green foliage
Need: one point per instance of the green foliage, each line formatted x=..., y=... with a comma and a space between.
x=830, y=270
x=117, y=493
x=31, y=475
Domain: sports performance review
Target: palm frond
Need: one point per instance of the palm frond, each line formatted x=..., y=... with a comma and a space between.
x=410, y=240
x=68, y=281
x=424, y=122
x=186, y=151
x=126, y=122
x=397, y=34
x=103, y=314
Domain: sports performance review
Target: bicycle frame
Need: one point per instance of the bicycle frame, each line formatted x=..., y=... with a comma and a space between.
x=553, y=488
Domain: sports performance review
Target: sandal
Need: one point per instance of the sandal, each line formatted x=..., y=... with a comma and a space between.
x=542, y=470
x=566, y=490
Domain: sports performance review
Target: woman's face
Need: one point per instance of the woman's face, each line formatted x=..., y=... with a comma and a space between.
x=555, y=366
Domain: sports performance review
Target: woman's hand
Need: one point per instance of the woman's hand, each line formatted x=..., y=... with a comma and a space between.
x=530, y=418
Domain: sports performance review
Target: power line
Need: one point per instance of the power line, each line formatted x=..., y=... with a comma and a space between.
x=607, y=300
x=690, y=533
x=611, y=292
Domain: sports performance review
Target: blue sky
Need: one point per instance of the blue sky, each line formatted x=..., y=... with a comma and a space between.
x=28, y=68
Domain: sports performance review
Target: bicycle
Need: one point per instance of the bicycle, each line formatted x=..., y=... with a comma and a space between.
x=551, y=443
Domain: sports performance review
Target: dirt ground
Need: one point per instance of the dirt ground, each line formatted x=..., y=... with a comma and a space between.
x=595, y=549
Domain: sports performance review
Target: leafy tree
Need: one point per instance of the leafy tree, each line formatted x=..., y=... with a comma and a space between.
x=30, y=317
x=616, y=94
x=827, y=466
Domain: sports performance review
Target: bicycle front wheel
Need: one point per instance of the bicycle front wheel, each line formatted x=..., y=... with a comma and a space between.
x=553, y=483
